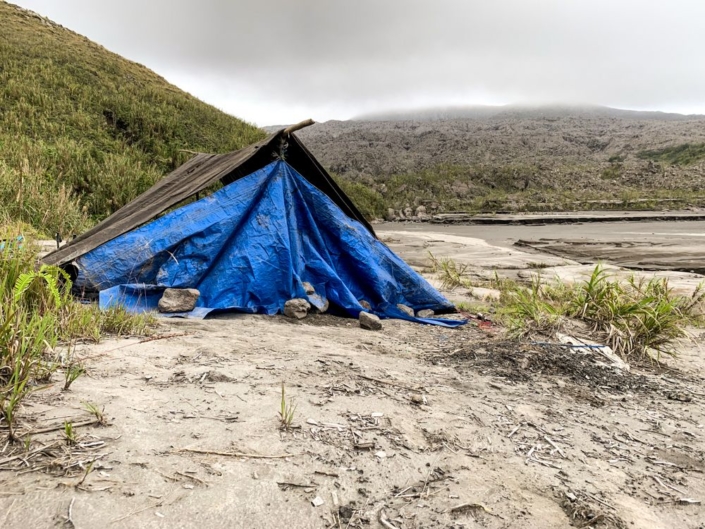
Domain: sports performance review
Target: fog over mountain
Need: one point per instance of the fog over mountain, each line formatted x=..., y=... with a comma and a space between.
x=275, y=61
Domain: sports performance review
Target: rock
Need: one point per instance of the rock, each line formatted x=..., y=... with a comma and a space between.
x=178, y=300
x=485, y=293
x=296, y=308
x=418, y=399
x=320, y=300
x=408, y=213
x=308, y=287
x=365, y=304
x=391, y=214
x=421, y=211
x=405, y=309
x=370, y=321
x=425, y=313
x=317, y=501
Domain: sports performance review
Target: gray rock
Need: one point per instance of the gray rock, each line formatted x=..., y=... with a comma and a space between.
x=308, y=287
x=365, y=304
x=408, y=212
x=296, y=308
x=370, y=321
x=425, y=313
x=178, y=300
x=316, y=298
x=391, y=214
x=405, y=309
x=421, y=211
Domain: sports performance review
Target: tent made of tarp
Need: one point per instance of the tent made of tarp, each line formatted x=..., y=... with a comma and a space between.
x=278, y=222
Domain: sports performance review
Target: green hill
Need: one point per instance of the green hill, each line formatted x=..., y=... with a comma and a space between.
x=83, y=131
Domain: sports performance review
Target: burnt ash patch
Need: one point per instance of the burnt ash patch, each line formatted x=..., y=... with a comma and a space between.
x=523, y=362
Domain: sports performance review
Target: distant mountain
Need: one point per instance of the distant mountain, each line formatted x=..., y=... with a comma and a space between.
x=524, y=157
x=517, y=111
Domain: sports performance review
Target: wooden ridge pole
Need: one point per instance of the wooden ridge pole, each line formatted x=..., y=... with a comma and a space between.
x=298, y=126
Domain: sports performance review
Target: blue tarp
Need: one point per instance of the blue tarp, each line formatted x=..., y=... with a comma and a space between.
x=250, y=246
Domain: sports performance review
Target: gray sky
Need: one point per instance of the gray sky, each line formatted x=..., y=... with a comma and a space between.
x=280, y=61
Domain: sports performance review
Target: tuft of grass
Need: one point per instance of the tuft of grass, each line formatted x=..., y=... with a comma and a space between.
x=527, y=311
x=69, y=433
x=287, y=411
x=73, y=371
x=451, y=273
x=96, y=411
x=638, y=316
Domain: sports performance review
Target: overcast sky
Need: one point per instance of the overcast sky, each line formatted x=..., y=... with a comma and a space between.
x=281, y=61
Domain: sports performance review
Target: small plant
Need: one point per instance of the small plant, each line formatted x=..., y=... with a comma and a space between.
x=287, y=411
x=73, y=371
x=528, y=312
x=69, y=433
x=98, y=413
x=451, y=273
x=89, y=468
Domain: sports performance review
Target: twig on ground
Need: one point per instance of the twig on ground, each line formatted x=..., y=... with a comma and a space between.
x=234, y=454
x=467, y=506
x=331, y=474
x=69, y=518
x=666, y=485
x=384, y=521
x=388, y=382
x=61, y=426
x=515, y=430
x=548, y=440
x=150, y=339
x=26, y=455
x=7, y=512
x=193, y=478
x=136, y=512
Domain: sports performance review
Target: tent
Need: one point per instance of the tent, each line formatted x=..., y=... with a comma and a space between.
x=279, y=221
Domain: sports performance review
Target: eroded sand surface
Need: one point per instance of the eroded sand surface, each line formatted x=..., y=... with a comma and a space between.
x=414, y=425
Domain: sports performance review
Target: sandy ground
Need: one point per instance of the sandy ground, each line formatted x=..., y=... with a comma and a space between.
x=657, y=245
x=413, y=426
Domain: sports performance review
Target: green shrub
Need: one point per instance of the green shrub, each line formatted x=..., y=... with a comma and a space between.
x=368, y=201
x=684, y=154
x=37, y=312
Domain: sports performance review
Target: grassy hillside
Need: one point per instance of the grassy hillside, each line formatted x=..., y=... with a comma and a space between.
x=83, y=131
